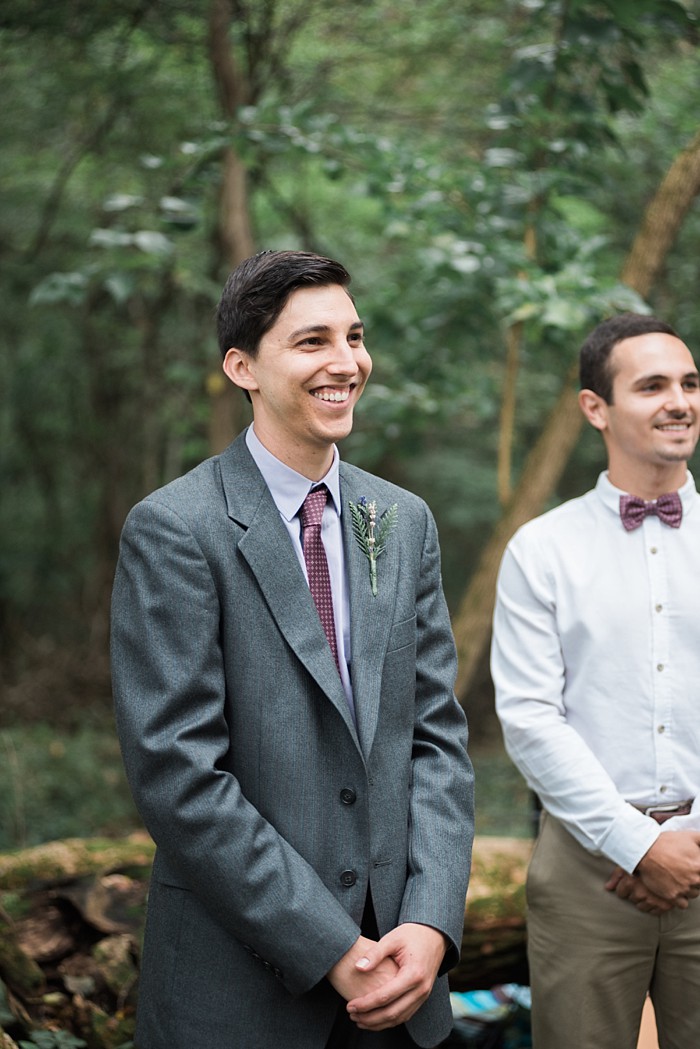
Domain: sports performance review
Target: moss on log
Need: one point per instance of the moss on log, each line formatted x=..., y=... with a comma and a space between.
x=72, y=858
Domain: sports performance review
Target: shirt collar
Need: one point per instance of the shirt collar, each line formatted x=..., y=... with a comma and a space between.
x=610, y=495
x=288, y=488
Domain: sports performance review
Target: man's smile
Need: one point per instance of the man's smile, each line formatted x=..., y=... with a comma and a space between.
x=328, y=393
x=675, y=427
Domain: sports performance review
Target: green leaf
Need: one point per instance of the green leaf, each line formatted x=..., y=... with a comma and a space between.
x=60, y=287
x=122, y=201
x=152, y=242
x=120, y=286
x=564, y=313
x=110, y=238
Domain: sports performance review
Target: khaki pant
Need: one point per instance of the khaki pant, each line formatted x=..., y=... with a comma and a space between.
x=593, y=956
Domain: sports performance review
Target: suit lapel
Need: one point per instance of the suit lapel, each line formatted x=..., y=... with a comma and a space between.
x=267, y=548
x=370, y=617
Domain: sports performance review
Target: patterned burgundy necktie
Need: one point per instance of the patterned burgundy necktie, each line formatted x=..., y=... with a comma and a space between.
x=316, y=564
x=668, y=508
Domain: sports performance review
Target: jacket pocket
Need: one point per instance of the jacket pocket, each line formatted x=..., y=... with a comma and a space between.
x=402, y=634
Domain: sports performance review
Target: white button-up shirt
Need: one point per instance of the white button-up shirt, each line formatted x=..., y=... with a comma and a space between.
x=596, y=663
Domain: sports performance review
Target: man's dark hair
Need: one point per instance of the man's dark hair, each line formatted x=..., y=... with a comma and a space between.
x=595, y=372
x=258, y=289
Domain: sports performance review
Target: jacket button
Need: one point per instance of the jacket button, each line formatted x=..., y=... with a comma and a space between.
x=348, y=878
x=348, y=796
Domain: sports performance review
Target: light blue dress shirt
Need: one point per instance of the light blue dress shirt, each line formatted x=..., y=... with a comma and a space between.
x=289, y=489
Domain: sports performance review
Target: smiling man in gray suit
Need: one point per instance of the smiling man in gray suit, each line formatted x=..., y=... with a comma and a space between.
x=296, y=753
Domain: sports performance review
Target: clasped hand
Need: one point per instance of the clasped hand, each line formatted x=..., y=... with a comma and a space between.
x=668, y=874
x=385, y=982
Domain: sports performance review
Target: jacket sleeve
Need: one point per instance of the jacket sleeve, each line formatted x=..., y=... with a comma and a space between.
x=442, y=795
x=169, y=687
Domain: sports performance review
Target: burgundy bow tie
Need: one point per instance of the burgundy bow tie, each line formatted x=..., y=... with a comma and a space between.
x=668, y=508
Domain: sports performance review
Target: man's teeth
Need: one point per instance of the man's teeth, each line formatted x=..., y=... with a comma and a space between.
x=332, y=395
x=674, y=426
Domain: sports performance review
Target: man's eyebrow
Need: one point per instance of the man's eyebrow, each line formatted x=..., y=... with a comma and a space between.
x=321, y=329
x=661, y=377
x=644, y=379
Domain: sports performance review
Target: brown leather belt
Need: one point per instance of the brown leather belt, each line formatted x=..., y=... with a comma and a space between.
x=661, y=813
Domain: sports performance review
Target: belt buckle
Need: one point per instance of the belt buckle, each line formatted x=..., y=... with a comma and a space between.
x=663, y=808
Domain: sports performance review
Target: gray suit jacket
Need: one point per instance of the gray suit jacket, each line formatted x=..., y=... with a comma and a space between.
x=271, y=811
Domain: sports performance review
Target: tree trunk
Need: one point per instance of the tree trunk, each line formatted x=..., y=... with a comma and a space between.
x=543, y=468
x=228, y=411
x=514, y=338
x=663, y=219
x=506, y=429
x=660, y=226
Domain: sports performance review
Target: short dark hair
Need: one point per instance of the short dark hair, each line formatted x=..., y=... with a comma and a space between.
x=258, y=289
x=595, y=372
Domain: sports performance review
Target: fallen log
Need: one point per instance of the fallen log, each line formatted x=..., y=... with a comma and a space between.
x=71, y=923
x=72, y=858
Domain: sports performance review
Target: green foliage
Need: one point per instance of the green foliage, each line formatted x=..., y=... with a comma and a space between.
x=61, y=785
x=52, y=1040
x=65, y=785
x=504, y=804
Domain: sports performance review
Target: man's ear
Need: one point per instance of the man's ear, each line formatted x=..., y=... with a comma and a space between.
x=237, y=366
x=594, y=408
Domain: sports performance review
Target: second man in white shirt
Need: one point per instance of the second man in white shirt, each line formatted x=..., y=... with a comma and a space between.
x=596, y=662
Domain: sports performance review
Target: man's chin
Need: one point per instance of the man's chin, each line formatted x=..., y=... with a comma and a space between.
x=680, y=455
x=341, y=428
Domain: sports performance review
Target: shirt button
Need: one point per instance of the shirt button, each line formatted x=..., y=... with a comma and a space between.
x=662, y=789
x=348, y=796
x=659, y=666
x=659, y=608
x=661, y=729
x=652, y=550
x=348, y=879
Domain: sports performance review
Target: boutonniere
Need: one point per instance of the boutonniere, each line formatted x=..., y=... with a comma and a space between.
x=371, y=533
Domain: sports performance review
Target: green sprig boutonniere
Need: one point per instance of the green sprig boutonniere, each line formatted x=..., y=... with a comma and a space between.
x=371, y=533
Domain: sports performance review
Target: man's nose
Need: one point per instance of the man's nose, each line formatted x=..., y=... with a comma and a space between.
x=678, y=400
x=343, y=360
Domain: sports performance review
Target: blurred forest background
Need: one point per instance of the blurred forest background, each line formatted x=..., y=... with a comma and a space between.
x=497, y=175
